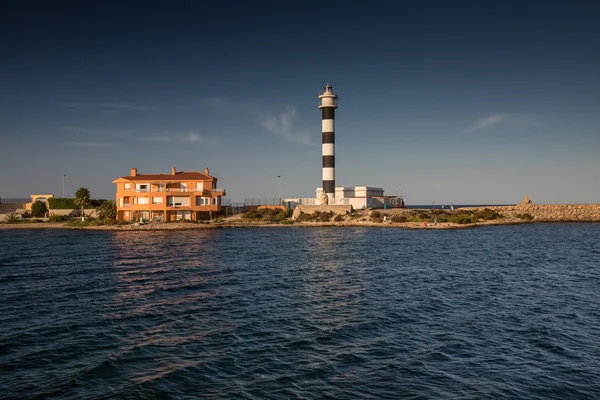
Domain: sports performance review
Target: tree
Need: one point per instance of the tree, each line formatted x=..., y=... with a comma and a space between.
x=39, y=209
x=82, y=199
x=107, y=210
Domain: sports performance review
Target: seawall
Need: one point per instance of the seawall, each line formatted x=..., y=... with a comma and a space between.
x=552, y=212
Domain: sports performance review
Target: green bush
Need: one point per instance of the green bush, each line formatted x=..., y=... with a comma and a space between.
x=487, y=214
x=338, y=218
x=375, y=214
x=61, y=203
x=268, y=214
x=39, y=209
x=398, y=218
x=414, y=218
x=57, y=218
x=462, y=219
x=317, y=216
x=283, y=215
x=525, y=216
x=287, y=222
x=354, y=215
x=377, y=220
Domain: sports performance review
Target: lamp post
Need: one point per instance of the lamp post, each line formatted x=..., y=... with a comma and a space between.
x=279, y=184
x=64, y=176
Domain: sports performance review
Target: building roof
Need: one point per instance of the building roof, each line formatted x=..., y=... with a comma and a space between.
x=179, y=176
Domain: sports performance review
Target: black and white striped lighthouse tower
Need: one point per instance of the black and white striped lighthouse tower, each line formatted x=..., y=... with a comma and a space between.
x=328, y=103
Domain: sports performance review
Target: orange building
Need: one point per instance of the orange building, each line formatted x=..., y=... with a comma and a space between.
x=167, y=197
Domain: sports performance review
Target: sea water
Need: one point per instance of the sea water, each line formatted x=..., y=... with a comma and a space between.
x=491, y=312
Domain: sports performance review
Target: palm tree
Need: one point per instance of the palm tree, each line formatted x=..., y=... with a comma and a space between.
x=82, y=199
x=107, y=210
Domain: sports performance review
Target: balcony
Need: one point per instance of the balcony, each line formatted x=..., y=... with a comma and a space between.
x=178, y=190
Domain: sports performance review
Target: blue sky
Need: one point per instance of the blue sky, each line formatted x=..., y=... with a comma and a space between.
x=464, y=102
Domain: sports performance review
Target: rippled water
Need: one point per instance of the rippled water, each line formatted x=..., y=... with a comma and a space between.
x=510, y=312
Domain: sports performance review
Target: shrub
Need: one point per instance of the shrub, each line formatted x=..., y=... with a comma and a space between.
x=437, y=211
x=525, y=216
x=462, y=219
x=107, y=210
x=354, y=215
x=39, y=209
x=57, y=218
x=487, y=214
x=325, y=216
x=283, y=215
x=375, y=214
x=424, y=215
x=60, y=203
x=287, y=222
x=377, y=220
x=257, y=214
x=338, y=218
x=317, y=216
x=398, y=218
x=12, y=218
x=414, y=218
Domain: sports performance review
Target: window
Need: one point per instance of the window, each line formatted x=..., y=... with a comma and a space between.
x=141, y=187
x=199, y=187
x=143, y=200
x=127, y=186
x=157, y=200
x=173, y=201
x=202, y=201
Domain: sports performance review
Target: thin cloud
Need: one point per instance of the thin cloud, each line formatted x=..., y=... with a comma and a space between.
x=194, y=137
x=110, y=107
x=282, y=124
x=122, y=134
x=91, y=144
x=197, y=138
x=162, y=139
x=486, y=122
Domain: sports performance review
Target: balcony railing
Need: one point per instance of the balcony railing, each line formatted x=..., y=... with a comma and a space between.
x=175, y=189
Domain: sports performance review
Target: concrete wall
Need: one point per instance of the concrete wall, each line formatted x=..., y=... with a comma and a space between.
x=11, y=207
x=73, y=213
x=554, y=212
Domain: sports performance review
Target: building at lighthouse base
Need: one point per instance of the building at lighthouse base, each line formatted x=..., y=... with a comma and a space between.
x=359, y=197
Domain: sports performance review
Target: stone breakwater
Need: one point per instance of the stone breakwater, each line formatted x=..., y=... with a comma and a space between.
x=552, y=212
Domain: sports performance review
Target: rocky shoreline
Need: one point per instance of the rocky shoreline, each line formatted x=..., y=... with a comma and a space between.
x=511, y=215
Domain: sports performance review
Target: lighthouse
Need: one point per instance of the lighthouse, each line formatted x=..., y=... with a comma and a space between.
x=328, y=102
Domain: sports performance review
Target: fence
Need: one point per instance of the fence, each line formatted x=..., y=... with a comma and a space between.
x=274, y=201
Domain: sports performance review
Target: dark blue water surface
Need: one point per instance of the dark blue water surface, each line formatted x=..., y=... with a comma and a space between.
x=492, y=312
